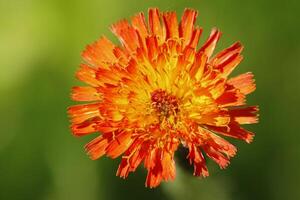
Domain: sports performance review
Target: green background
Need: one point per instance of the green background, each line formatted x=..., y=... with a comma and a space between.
x=40, y=46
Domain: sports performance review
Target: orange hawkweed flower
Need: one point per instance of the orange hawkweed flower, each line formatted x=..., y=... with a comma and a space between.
x=157, y=91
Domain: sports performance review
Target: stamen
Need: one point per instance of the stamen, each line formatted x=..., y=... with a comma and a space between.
x=165, y=104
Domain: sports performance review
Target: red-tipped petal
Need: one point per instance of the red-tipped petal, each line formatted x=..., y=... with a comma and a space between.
x=186, y=27
x=244, y=82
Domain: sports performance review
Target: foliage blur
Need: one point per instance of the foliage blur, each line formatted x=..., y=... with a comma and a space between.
x=40, y=46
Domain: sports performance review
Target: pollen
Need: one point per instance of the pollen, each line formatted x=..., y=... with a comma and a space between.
x=165, y=104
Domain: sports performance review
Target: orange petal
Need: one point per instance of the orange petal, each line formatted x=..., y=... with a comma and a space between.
x=123, y=169
x=122, y=56
x=168, y=166
x=211, y=42
x=220, y=144
x=84, y=118
x=154, y=166
x=217, y=89
x=107, y=77
x=85, y=94
x=223, y=55
x=139, y=23
x=111, y=112
x=235, y=131
x=149, y=159
x=197, y=68
x=195, y=156
x=245, y=115
x=131, y=159
x=153, y=49
x=153, y=179
x=87, y=127
x=88, y=75
x=171, y=24
x=231, y=98
x=229, y=64
x=139, y=155
x=244, y=82
x=100, y=53
x=105, y=127
x=186, y=59
x=119, y=144
x=187, y=25
x=216, y=156
x=81, y=113
x=155, y=24
x=195, y=37
x=126, y=34
x=96, y=148
x=217, y=118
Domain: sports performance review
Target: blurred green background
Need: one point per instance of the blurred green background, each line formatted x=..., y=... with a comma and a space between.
x=40, y=46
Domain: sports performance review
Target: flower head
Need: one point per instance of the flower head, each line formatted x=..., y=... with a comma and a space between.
x=158, y=91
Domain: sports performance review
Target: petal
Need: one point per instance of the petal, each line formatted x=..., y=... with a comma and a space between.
x=153, y=48
x=132, y=158
x=231, y=98
x=195, y=156
x=120, y=143
x=220, y=144
x=168, y=166
x=126, y=34
x=217, y=89
x=84, y=118
x=195, y=37
x=88, y=75
x=216, y=156
x=234, y=130
x=106, y=127
x=87, y=127
x=100, y=53
x=186, y=29
x=155, y=24
x=123, y=169
x=81, y=113
x=139, y=155
x=107, y=77
x=171, y=24
x=229, y=64
x=185, y=60
x=111, y=112
x=122, y=56
x=197, y=68
x=211, y=42
x=154, y=166
x=216, y=118
x=96, y=148
x=223, y=55
x=139, y=23
x=244, y=82
x=246, y=115
x=153, y=179
x=85, y=94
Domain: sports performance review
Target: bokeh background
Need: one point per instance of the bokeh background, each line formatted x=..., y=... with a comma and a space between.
x=40, y=46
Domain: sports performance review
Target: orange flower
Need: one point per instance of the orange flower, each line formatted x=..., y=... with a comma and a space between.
x=157, y=91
